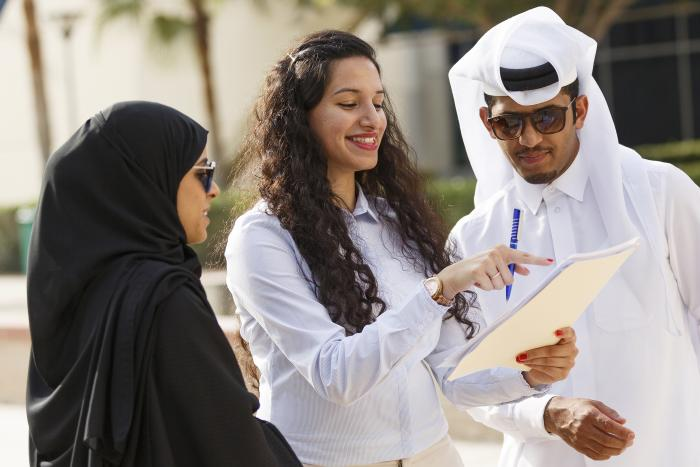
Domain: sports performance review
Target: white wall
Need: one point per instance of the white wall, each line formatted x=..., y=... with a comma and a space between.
x=415, y=69
x=125, y=63
x=19, y=161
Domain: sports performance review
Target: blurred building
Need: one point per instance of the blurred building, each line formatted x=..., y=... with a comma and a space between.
x=93, y=68
x=648, y=67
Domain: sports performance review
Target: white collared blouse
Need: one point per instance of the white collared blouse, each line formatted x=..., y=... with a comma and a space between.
x=357, y=399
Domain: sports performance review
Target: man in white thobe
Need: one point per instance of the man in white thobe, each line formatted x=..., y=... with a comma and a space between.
x=540, y=139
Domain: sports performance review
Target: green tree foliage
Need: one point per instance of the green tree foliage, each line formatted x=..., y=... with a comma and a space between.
x=594, y=17
x=167, y=27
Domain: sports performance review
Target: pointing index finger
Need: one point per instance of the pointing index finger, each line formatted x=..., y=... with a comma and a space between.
x=523, y=257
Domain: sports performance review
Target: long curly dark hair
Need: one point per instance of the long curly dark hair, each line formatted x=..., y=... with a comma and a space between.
x=281, y=149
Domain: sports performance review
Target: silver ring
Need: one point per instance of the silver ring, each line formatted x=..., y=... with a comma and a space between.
x=496, y=275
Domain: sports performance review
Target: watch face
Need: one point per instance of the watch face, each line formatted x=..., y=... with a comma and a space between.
x=432, y=285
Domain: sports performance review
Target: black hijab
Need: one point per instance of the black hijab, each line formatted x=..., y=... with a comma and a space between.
x=108, y=196
x=106, y=250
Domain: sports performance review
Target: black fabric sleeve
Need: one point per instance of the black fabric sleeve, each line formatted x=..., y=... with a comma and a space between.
x=199, y=396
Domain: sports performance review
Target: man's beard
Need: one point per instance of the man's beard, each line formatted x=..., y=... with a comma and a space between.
x=536, y=178
x=541, y=178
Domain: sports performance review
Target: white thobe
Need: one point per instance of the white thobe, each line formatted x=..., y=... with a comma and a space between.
x=630, y=358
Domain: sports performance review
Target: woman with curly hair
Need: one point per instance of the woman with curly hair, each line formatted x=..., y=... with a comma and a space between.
x=347, y=295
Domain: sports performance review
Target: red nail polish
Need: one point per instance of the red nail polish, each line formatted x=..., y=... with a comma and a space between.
x=550, y=260
x=558, y=333
x=521, y=357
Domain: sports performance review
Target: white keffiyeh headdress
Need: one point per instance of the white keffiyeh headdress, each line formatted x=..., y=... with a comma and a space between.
x=538, y=45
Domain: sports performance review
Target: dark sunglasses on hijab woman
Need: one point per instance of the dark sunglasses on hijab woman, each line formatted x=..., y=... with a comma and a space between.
x=129, y=366
x=206, y=175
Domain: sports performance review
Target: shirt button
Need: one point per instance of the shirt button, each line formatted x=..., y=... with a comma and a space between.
x=557, y=209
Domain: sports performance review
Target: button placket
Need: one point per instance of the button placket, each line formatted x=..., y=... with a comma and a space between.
x=563, y=239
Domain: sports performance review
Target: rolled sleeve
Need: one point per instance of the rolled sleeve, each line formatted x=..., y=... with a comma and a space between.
x=488, y=387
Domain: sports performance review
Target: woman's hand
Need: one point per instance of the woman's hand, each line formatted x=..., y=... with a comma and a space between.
x=487, y=270
x=551, y=363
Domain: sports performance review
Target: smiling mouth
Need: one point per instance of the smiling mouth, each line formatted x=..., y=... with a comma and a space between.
x=371, y=140
x=364, y=142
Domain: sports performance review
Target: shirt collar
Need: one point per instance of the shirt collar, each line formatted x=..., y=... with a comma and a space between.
x=529, y=193
x=572, y=183
x=363, y=206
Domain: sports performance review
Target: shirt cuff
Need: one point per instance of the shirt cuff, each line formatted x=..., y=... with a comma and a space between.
x=421, y=320
x=518, y=388
x=529, y=417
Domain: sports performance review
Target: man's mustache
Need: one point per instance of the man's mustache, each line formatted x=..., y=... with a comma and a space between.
x=528, y=151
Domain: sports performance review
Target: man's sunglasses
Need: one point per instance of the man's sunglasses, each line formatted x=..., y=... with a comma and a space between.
x=206, y=174
x=546, y=121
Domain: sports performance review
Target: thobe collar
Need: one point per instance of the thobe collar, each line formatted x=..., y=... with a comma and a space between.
x=572, y=183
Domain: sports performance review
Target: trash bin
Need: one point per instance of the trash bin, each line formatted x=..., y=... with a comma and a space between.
x=25, y=219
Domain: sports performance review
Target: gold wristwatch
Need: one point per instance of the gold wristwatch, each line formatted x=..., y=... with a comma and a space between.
x=434, y=287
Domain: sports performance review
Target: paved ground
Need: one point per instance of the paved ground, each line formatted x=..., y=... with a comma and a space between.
x=13, y=442
x=13, y=294
x=13, y=424
x=13, y=436
x=479, y=454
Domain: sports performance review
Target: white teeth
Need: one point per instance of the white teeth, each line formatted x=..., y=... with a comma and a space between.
x=364, y=140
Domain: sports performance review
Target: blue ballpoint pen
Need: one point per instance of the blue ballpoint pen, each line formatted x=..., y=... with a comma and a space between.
x=513, y=245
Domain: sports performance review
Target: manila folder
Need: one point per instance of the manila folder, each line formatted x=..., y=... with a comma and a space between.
x=555, y=303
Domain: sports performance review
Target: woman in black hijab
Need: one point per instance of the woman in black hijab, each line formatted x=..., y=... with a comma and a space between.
x=129, y=366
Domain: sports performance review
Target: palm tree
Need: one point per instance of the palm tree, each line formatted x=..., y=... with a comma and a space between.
x=168, y=27
x=200, y=24
x=37, y=64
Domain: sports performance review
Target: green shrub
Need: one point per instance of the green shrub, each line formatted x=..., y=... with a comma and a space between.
x=683, y=154
x=222, y=213
x=9, y=241
x=452, y=198
x=676, y=152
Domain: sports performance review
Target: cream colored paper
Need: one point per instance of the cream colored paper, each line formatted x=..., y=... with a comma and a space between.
x=557, y=302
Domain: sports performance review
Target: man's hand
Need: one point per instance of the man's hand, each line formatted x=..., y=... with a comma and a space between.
x=589, y=426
